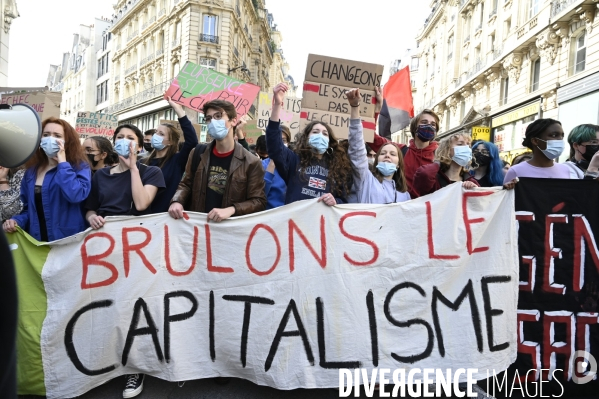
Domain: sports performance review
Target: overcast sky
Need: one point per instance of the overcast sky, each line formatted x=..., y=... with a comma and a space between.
x=376, y=31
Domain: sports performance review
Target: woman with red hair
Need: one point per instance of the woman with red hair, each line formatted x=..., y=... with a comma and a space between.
x=55, y=185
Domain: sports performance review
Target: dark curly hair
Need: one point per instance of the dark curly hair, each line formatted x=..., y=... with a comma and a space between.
x=537, y=128
x=340, y=169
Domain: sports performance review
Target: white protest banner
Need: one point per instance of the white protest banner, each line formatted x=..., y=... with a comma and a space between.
x=89, y=124
x=286, y=297
x=289, y=115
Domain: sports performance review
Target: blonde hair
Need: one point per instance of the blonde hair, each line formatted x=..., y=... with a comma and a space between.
x=443, y=153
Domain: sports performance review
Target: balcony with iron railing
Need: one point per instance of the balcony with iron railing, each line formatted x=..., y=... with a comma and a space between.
x=118, y=47
x=235, y=51
x=238, y=11
x=176, y=42
x=117, y=78
x=130, y=69
x=557, y=6
x=208, y=38
x=147, y=59
x=132, y=36
x=466, y=39
x=152, y=93
x=159, y=52
x=493, y=13
x=162, y=12
x=148, y=23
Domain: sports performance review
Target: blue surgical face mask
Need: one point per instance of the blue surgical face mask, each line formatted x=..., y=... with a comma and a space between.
x=319, y=142
x=554, y=148
x=217, y=129
x=386, y=168
x=157, y=142
x=121, y=146
x=50, y=146
x=462, y=155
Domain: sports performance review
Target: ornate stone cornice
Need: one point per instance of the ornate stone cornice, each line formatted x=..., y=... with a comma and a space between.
x=9, y=13
x=548, y=44
x=513, y=65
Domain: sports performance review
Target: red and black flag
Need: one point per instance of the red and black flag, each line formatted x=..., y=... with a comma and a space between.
x=398, y=106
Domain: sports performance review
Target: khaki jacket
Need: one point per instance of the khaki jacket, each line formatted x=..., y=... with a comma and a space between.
x=244, y=189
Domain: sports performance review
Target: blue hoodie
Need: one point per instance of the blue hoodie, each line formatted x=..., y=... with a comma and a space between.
x=301, y=184
x=367, y=187
x=274, y=187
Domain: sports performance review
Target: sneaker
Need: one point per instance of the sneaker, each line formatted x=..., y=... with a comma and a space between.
x=134, y=386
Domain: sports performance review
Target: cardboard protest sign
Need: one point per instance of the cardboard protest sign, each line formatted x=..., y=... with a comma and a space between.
x=330, y=97
x=197, y=127
x=89, y=124
x=346, y=73
x=293, y=295
x=338, y=122
x=252, y=131
x=46, y=104
x=196, y=85
x=558, y=308
x=290, y=114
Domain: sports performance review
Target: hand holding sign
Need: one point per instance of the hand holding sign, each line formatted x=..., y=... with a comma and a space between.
x=353, y=97
x=277, y=100
x=176, y=107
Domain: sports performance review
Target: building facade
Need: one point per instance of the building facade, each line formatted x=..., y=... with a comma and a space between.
x=152, y=39
x=9, y=12
x=491, y=67
x=76, y=77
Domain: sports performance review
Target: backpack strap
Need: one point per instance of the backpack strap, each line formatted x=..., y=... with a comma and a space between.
x=404, y=150
x=197, y=156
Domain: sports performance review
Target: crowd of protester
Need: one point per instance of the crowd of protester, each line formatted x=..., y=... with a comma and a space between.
x=68, y=186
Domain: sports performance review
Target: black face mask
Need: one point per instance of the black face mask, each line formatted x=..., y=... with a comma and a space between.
x=148, y=147
x=482, y=159
x=590, y=151
x=91, y=157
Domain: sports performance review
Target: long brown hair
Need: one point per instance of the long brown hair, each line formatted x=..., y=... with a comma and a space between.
x=399, y=177
x=340, y=169
x=72, y=147
x=174, y=135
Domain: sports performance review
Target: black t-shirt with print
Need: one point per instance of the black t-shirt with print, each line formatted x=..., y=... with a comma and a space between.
x=218, y=171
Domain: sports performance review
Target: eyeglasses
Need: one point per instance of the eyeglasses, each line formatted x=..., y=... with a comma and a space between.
x=484, y=152
x=592, y=142
x=216, y=116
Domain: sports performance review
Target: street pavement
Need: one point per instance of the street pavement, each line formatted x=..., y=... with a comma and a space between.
x=155, y=388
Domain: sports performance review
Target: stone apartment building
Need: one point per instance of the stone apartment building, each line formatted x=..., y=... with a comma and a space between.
x=9, y=12
x=491, y=67
x=152, y=39
x=76, y=77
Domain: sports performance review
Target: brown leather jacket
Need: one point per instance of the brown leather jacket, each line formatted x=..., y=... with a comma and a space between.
x=244, y=189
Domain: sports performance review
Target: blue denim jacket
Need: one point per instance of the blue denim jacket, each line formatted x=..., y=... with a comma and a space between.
x=64, y=191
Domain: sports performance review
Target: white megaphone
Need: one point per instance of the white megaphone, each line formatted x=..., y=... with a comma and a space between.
x=20, y=134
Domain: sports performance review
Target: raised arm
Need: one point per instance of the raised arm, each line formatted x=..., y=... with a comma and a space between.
x=189, y=133
x=284, y=159
x=357, y=149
